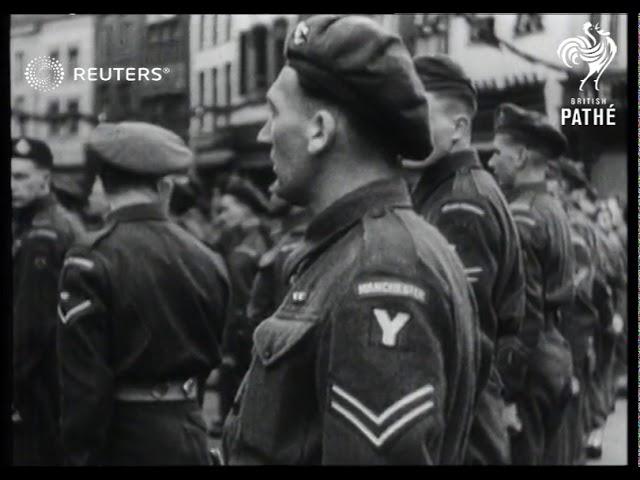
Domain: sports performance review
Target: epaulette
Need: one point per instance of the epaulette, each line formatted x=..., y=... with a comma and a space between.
x=91, y=239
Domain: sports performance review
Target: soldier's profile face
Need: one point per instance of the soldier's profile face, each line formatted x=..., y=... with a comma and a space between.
x=286, y=132
x=503, y=160
x=28, y=182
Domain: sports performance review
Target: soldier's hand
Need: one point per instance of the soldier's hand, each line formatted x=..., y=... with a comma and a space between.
x=617, y=323
x=15, y=415
x=511, y=419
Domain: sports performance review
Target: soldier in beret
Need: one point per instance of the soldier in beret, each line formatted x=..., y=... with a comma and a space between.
x=142, y=306
x=524, y=142
x=244, y=239
x=42, y=233
x=372, y=357
x=460, y=198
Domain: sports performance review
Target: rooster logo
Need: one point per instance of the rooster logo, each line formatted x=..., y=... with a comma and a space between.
x=598, y=54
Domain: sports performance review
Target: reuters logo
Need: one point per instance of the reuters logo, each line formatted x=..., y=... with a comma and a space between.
x=44, y=73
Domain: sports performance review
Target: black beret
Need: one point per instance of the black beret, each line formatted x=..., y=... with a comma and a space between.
x=441, y=74
x=530, y=127
x=75, y=183
x=141, y=148
x=355, y=62
x=574, y=174
x=32, y=149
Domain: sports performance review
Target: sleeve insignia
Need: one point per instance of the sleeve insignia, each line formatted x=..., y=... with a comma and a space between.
x=378, y=428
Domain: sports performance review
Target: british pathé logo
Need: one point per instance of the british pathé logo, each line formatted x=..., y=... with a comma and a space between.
x=596, y=53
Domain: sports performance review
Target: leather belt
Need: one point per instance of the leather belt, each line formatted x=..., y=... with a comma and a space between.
x=173, y=391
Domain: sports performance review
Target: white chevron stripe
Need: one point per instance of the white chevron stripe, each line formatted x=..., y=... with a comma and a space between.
x=378, y=419
x=378, y=441
x=472, y=279
x=462, y=206
x=74, y=311
x=473, y=270
x=522, y=207
x=528, y=221
x=81, y=262
x=579, y=241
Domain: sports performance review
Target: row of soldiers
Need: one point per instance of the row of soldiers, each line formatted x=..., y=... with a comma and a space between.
x=412, y=311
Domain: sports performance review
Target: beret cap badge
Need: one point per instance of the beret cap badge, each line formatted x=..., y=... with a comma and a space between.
x=22, y=147
x=301, y=33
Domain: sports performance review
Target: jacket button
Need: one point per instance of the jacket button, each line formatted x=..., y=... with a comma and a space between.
x=267, y=353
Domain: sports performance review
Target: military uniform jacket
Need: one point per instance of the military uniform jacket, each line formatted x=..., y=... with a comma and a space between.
x=42, y=234
x=464, y=202
x=548, y=255
x=372, y=356
x=580, y=318
x=141, y=302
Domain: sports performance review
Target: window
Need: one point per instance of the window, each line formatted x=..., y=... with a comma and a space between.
x=244, y=59
x=528, y=23
x=433, y=28
x=201, y=32
x=201, y=96
x=55, y=54
x=595, y=18
x=227, y=83
x=73, y=111
x=279, y=39
x=227, y=36
x=19, y=67
x=260, y=55
x=214, y=29
x=482, y=29
x=18, y=103
x=613, y=29
x=214, y=87
x=73, y=60
x=53, y=117
x=124, y=100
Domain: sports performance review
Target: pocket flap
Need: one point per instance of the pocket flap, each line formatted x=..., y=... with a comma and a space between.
x=275, y=336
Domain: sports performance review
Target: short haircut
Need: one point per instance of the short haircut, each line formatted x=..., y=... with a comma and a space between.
x=365, y=129
x=116, y=180
x=467, y=101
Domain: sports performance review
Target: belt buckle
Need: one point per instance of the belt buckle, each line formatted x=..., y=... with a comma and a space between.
x=160, y=390
x=187, y=387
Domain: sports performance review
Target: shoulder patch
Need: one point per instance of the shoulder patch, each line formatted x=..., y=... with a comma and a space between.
x=462, y=206
x=378, y=428
x=83, y=263
x=525, y=220
x=43, y=232
x=519, y=207
x=391, y=288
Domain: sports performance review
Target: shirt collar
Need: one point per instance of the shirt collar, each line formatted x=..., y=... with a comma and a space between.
x=137, y=212
x=443, y=169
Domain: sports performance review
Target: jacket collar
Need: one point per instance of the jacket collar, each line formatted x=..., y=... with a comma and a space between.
x=433, y=176
x=518, y=190
x=342, y=215
x=137, y=212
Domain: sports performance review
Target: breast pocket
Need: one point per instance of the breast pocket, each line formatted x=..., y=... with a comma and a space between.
x=279, y=395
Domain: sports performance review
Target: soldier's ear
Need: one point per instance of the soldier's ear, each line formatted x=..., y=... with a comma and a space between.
x=462, y=126
x=321, y=132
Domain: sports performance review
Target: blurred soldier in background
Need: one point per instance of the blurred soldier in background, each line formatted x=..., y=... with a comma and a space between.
x=142, y=306
x=461, y=199
x=372, y=357
x=271, y=285
x=580, y=319
x=244, y=239
x=524, y=143
x=82, y=196
x=42, y=231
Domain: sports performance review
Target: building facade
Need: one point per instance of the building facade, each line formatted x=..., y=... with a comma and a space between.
x=62, y=117
x=234, y=60
x=531, y=75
